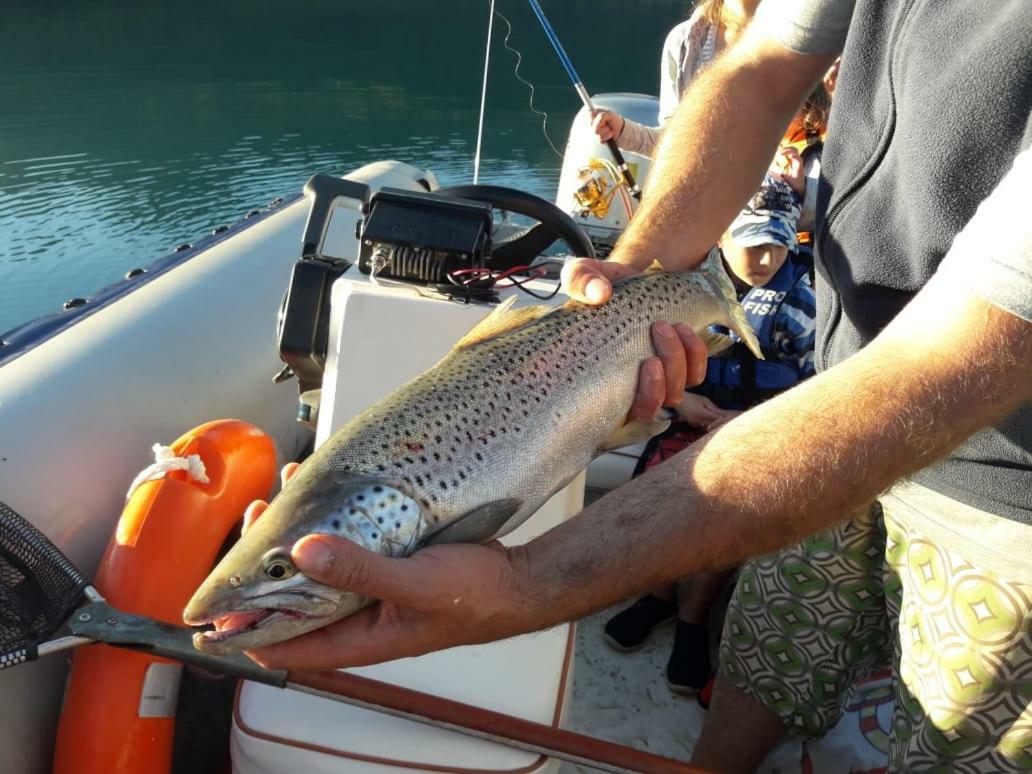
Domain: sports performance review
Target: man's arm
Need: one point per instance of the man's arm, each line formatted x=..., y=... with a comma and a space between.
x=950, y=364
x=711, y=158
x=716, y=148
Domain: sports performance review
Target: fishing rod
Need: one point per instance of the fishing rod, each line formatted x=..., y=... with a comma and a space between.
x=578, y=86
x=483, y=95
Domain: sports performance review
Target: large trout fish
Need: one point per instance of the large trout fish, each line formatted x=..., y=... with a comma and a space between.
x=463, y=453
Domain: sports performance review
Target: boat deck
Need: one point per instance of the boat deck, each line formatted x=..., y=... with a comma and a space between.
x=623, y=697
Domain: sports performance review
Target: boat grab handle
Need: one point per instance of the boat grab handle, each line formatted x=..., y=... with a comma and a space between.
x=323, y=191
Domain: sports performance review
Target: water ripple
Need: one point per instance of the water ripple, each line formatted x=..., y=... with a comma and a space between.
x=128, y=128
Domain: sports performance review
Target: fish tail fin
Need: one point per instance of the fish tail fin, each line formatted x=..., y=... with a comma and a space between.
x=713, y=267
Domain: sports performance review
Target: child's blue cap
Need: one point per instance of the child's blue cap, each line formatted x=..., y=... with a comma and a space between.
x=770, y=217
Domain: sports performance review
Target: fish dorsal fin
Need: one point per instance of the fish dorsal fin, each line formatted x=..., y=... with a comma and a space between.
x=479, y=525
x=503, y=318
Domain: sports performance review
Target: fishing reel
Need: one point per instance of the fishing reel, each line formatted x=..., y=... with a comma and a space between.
x=600, y=181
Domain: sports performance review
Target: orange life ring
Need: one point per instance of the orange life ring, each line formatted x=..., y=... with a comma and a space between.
x=119, y=708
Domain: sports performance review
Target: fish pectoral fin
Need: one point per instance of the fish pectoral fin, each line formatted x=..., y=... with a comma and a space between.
x=713, y=268
x=479, y=525
x=502, y=320
x=631, y=433
x=715, y=342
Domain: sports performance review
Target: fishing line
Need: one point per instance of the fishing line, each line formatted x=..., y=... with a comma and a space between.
x=516, y=72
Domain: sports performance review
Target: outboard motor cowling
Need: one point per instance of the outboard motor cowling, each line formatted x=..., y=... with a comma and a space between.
x=587, y=189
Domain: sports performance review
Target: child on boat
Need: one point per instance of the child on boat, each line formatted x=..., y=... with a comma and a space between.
x=761, y=254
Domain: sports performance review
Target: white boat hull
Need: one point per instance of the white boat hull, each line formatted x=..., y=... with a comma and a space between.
x=80, y=411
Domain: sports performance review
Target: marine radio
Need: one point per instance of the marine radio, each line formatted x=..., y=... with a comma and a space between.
x=419, y=237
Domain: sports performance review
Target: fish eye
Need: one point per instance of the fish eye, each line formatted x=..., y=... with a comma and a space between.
x=277, y=564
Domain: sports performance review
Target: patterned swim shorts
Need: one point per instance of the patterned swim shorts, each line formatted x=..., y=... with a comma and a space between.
x=892, y=586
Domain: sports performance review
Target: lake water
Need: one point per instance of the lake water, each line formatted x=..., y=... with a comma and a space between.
x=129, y=127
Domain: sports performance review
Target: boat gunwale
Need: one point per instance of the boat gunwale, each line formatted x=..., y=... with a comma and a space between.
x=27, y=336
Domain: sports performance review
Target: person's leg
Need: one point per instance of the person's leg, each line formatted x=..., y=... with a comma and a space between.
x=732, y=711
x=802, y=625
x=964, y=650
x=689, y=667
x=666, y=593
x=696, y=592
x=630, y=628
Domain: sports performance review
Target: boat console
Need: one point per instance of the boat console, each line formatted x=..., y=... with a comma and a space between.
x=276, y=731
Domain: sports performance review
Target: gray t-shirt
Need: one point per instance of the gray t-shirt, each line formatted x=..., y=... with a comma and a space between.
x=998, y=240
x=807, y=26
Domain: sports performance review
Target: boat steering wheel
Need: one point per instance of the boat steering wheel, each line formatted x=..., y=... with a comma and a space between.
x=527, y=245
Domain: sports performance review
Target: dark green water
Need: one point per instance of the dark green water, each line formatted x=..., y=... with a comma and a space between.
x=127, y=127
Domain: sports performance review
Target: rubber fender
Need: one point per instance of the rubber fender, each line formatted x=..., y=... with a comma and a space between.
x=119, y=709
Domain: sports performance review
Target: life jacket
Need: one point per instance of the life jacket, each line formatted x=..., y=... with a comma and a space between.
x=735, y=379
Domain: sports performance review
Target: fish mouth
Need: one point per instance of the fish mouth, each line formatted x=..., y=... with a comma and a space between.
x=254, y=628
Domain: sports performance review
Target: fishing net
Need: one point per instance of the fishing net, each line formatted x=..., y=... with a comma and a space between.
x=39, y=588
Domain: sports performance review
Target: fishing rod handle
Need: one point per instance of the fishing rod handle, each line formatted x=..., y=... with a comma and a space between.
x=625, y=171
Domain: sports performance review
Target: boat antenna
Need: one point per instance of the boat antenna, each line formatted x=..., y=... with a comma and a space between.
x=483, y=95
x=578, y=86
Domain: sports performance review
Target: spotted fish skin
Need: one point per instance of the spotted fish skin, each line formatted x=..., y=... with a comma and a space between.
x=469, y=449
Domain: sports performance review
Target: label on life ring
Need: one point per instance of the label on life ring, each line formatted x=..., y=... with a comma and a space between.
x=160, y=692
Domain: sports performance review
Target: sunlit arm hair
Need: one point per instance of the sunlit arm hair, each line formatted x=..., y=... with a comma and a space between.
x=950, y=364
x=715, y=149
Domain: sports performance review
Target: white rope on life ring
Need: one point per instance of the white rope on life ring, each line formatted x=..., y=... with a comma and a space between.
x=165, y=461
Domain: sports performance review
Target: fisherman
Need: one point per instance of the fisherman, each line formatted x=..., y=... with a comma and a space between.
x=923, y=386
x=760, y=252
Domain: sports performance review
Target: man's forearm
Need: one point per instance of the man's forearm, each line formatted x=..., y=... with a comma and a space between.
x=792, y=466
x=715, y=149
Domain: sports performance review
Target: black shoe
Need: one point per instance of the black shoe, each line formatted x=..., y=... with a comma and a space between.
x=630, y=628
x=688, y=669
